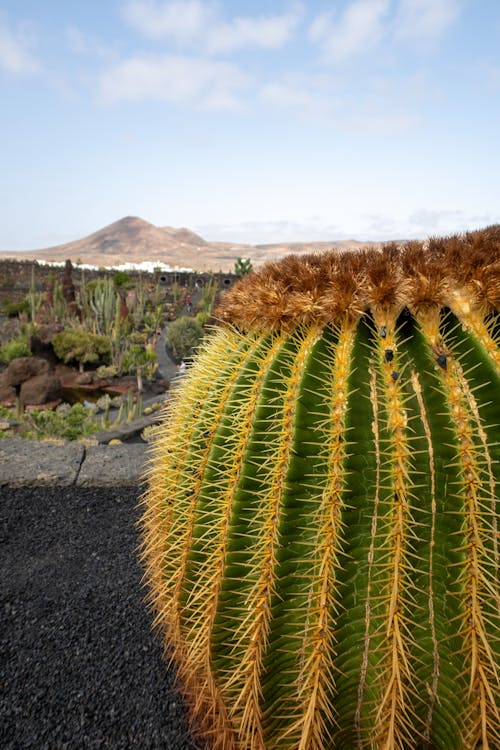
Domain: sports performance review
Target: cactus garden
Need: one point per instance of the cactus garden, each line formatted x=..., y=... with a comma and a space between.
x=320, y=526
x=87, y=343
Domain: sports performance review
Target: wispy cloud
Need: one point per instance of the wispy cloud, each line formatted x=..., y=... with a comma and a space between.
x=309, y=96
x=81, y=43
x=357, y=30
x=270, y=32
x=312, y=229
x=424, y=20
x=15, y=55
x=181, y=20
x=177, y=79
x=195, y=22
x=426, y=221
x=383, y=106
x=367, y=24
x=420, y=224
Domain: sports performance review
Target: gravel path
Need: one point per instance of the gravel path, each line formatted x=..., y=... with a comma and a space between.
x=79, y=668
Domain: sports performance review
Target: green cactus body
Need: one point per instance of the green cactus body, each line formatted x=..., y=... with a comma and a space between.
x=320, y=528
x=104, y=301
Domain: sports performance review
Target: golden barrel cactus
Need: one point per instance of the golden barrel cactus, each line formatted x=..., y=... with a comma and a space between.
x=320, y=526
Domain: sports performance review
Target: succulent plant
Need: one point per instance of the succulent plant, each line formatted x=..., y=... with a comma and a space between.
x=320, y=526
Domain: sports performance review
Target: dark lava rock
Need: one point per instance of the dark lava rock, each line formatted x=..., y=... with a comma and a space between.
x=41, y=389
x=79, y=668
x=21, y=369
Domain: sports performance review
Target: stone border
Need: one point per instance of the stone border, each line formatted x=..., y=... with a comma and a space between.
x=25, y=463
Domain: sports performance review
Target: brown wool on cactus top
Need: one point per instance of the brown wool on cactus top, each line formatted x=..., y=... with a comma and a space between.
x=333, y=286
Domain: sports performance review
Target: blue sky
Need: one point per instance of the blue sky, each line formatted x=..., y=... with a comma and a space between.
x=249, y=121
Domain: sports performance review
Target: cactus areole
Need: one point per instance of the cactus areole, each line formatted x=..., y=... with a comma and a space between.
x=320, y=529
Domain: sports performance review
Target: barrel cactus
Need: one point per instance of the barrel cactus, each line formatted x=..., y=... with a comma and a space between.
x=320, y=528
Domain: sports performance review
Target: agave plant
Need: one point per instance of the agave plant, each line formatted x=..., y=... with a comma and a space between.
x=320, y=527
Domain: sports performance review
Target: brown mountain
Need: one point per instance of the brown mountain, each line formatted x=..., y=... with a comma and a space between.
x=134, y=240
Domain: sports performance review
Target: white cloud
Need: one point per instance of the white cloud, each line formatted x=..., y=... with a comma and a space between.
x=309, y=96
x=14, y=51
x=81, y=43
x=366, y=24
x=284, y=95
x=356, y=225
x=424, y=19
x=357, y=30
x=310, y=229
x=420, y=224
x=426, y=221
x=383, y=106
x=270, y=32
x=195, y=22
x=381, y=121
x=179, y=20
x=381, y=227
x=77, y=40
x=175, y=78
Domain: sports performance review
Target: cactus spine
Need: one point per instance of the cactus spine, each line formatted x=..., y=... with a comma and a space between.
x=320, y=528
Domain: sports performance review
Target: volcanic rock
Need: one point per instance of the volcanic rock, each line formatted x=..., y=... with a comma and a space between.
x=21, y=369
x=7, y=394
x=41, y=389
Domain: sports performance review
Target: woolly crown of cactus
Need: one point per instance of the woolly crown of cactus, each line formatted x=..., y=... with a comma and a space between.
x=320, y=527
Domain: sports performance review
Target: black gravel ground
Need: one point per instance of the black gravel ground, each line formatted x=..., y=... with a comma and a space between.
x=79, y=668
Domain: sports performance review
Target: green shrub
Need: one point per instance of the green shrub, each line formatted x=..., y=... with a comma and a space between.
x=17, y=347
x=68, y=425
x=107, y=371
x=183, y=337
x=202, y=317
x=81, y=346
x=14, y=309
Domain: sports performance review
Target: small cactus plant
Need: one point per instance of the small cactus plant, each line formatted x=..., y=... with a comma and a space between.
x=320, y=527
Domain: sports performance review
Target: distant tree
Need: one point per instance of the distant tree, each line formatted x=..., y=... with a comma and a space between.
x=121, y=278
x=243, y=266
x=81, y=346
x=141, y=358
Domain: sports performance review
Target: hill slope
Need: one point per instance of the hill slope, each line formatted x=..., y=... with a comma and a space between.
x=133, y=240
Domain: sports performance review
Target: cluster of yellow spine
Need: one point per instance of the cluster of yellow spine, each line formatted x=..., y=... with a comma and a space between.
x=201, y=605
x=255, y=633
x=391, y=725
x=482, y=720
x=315, y=682
x=176, y=529
x=433, y=685
x=164, y=473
